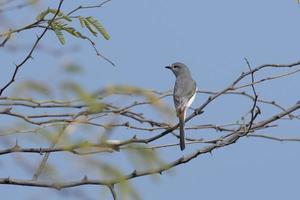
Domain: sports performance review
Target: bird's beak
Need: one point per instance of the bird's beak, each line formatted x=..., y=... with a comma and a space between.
x=168, y=67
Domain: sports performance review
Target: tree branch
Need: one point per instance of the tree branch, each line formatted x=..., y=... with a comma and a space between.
x=17, y=67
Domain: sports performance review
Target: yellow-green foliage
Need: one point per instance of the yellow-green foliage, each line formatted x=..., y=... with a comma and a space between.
x=60, y=24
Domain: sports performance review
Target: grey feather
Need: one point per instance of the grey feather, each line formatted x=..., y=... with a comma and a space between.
x=184, y=89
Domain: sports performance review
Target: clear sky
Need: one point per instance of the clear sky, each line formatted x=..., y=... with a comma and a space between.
x=212, y=38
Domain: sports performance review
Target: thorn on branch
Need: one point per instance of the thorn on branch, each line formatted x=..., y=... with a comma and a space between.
x=258, y=111
x=7, y=180
x=133, y=174
x=218, y=128
x=198, y=111
x=127, y=124
x=231, y=88
x=41, y=153
x=181, y=159
x=56, y=186
x=85, y=178
x=116, y=148
x=7, y=110
x=219, y=143
x=16, y=147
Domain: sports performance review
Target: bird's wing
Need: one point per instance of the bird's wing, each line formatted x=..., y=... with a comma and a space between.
x=183, y=91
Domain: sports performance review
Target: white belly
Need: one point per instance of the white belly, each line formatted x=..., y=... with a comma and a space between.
x=189, y=103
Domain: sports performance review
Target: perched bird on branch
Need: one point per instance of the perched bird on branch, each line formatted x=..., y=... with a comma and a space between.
x=183, y=95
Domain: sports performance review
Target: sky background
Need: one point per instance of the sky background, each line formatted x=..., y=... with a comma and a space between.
x=212, y=38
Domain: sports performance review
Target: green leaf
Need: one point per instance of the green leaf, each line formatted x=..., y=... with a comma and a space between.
x=93, y=105
x=60, y=36
x=73, y=32
x=58, y=25
x=42, y=15
x=73, y=68
x=98, y=26
x=81, y=20
x=34, y=86
x=32, y=2
x=86, y=23
x=60, y=14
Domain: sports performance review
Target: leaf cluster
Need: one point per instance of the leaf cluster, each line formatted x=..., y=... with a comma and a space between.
x=63, y=24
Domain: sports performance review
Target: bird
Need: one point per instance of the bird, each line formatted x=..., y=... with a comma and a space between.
x=184, y=94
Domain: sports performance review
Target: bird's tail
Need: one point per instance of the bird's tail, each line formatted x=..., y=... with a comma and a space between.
x=181, y=131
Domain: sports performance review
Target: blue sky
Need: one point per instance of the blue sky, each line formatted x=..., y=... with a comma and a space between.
x=212, y=38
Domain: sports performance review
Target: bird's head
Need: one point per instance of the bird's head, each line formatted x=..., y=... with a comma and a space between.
x=178, y=68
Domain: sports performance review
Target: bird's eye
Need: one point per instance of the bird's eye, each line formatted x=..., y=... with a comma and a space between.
x=175, y=66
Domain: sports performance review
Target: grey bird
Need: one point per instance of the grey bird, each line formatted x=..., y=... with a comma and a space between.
x=183, y=95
